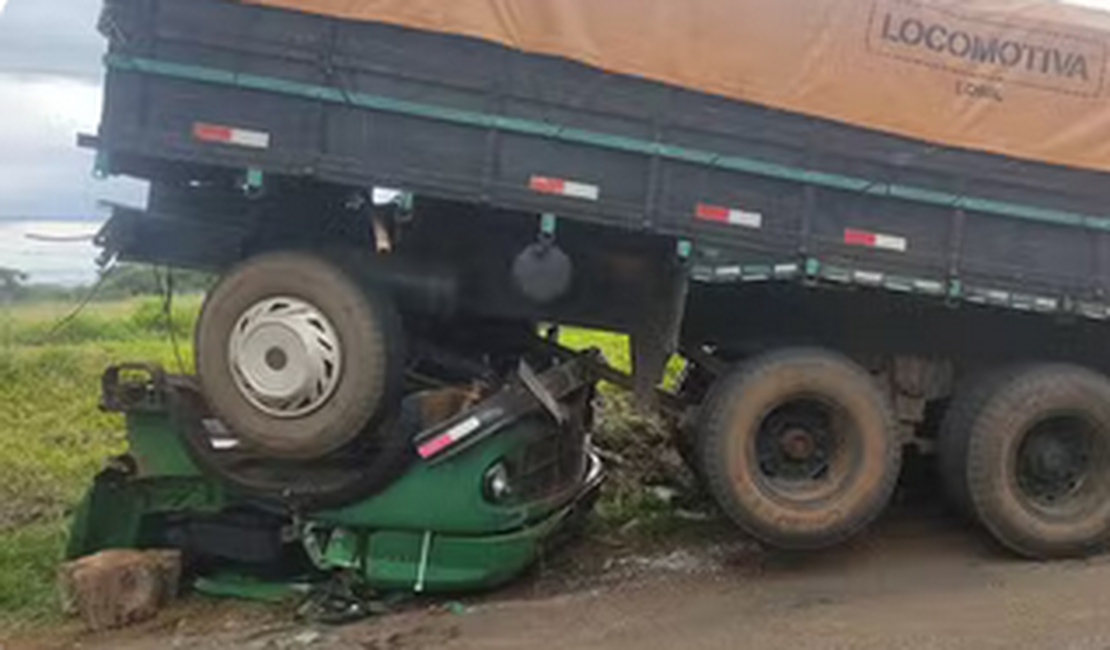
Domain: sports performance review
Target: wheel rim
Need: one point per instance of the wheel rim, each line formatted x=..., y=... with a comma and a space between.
x=804, y=449
x=285, y=357
x=1056, y=465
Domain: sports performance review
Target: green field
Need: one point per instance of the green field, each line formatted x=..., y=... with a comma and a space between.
x=54, y=439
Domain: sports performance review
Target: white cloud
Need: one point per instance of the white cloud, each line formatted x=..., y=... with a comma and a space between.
x=1094, y=4
x=46, y=108
x=42, y=172
x=43, y=175
x=50, y=76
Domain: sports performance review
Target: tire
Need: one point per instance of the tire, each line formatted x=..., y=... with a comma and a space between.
x=358, y=471
x=692, y=386
x=363, y=333
x=952, y=439
x=1039, y=513
x=774, y=393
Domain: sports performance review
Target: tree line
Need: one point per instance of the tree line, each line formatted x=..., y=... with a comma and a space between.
x=121, y=281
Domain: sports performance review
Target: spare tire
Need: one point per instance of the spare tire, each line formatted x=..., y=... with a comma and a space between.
x=358, y=471
x=297, y=357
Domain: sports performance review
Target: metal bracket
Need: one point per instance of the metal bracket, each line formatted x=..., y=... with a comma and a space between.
x=549, y=227
x=254, y=182
x=535, y=386
x=491, y=416
x=102, y=165
x=119, y=396
x=684, y=249
x=343, y=550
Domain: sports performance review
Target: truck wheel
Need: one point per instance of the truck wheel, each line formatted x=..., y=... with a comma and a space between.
x=691, y=386
x=799, y=448
x=296, y=357
x=952, y=439
x=1038, y=462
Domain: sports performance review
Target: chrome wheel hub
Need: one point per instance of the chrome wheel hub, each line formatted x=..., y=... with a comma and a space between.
x=285, y=357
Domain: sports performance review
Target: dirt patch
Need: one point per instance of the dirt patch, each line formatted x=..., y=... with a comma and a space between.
x=192, y=617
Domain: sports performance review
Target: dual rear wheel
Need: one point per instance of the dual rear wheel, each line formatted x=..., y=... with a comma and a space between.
x=1025, y=452
x=801, y=450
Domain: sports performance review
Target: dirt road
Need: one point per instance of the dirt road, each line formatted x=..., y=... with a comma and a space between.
x=919, y=582
x=916, y=584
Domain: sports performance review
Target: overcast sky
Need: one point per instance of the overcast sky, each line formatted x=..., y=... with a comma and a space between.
x=50, y=74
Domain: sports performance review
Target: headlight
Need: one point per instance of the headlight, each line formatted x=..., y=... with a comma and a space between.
x=496, y=485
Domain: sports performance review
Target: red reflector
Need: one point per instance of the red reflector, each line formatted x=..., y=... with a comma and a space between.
x=435, y=445
x=206, y=132
x=859, y=238
x=449, y=437
x=547, y=185
x=875, y=240
x=729, y=216
x=211, y=132
x=564, y=187
x=712, y=213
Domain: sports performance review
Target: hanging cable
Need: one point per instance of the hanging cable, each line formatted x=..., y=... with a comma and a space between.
x=64, y=321
x=167, y=291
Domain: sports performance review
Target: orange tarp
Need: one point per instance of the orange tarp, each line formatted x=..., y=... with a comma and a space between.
x=1026, y=78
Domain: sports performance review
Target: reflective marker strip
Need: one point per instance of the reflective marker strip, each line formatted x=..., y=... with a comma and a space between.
x=229, y=135
x=868, y=277
x=563, y=187
x=449, y=437
x=875, y=240
x=929, y=286
x=718, y=214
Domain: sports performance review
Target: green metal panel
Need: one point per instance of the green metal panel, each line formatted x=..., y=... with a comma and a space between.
x=343, y=550
x=228, y=584
x=115, y=511
x=431, y=531
x=447, y=497
x=157, y=448
x=431, y=562
x=109, y=516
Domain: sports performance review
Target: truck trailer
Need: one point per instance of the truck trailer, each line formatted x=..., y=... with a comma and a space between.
x=866, y=226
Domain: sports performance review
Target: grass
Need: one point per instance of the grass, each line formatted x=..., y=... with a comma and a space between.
x=54, y=439
x=640, y=451
x=29, y=558
x=34, y=325
x=614, y=347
